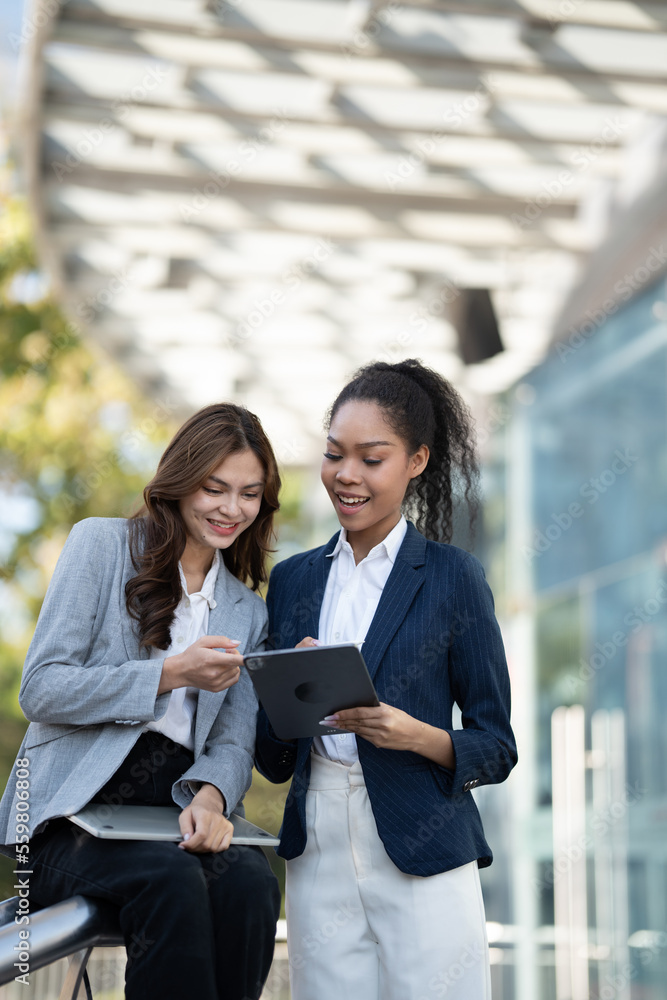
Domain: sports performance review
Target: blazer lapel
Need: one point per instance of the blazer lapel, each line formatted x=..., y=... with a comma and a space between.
x=313, y=586
x=228, y=617
x=403, y=583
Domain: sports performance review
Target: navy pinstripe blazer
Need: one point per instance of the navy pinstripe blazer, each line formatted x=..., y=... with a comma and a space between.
x=434, y=640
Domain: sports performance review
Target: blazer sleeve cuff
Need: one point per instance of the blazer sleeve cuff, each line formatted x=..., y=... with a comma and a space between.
x=229, y=769
x=475, y=764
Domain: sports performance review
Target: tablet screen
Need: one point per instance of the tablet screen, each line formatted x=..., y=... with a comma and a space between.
x=298, y=687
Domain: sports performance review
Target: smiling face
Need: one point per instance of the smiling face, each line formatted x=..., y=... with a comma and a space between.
x=225, y=505
x=366, y=470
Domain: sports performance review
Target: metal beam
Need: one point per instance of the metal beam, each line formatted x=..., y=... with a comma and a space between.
x=383, y=201
x=635, y=16
x=221, y=53
x=59, y=92
x=165, y=125
x=497, y=239
x=408, y=56
x=67, y=236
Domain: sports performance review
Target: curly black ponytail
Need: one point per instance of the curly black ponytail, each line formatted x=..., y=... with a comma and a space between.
x=422, y=407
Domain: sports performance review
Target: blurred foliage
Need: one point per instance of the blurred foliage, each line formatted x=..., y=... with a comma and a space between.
x=264, y=804
x=75, y=439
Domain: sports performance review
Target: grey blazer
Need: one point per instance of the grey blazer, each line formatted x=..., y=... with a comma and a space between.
x=88, y=689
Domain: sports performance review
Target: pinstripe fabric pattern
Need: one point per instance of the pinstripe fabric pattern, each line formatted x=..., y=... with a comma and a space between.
x=434, y=641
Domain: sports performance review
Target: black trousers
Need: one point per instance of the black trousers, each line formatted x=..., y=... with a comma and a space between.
x=195, y=925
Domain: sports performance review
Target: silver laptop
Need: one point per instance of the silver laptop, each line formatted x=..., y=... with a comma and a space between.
x=129, y=822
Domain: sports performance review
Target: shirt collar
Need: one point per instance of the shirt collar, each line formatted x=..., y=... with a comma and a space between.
x=207, y=588
x=389, y=546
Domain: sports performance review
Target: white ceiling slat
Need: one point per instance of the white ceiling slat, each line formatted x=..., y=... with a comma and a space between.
x=306, y=21
x=422, y=233
x=622, y=15
x=196, y=164
x=337, y=68
x=410, y=35
x=67, y=123
x=435, y=113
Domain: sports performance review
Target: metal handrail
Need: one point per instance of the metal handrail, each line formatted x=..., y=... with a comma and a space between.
x=72, y=927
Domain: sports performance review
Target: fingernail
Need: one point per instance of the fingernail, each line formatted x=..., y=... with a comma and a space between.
x=186, y=836
x=317, y=642
x=331, y=725
x=330, y=718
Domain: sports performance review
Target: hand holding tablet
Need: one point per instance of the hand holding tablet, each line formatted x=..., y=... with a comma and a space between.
x=299, y=687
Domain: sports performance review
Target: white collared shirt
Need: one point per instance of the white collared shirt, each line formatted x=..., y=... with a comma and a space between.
x=350, y=601
x=190, y=623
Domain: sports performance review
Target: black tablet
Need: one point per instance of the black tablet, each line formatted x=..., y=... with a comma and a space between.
x=298, y=687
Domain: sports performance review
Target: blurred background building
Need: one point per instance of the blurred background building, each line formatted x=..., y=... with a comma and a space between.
x=249, y=198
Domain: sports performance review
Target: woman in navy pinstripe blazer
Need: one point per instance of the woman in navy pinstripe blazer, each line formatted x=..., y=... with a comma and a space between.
x=382, y=837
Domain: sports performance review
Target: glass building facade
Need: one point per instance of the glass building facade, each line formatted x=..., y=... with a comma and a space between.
x=577, y=554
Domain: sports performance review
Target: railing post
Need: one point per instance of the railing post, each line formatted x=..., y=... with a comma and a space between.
x=75, y=973
x=568, y=752
x=610, y=849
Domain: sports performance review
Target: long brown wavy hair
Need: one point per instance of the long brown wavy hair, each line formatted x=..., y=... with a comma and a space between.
x=157, y=532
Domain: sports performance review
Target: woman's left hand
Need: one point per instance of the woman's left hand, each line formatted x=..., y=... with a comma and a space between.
x=389, y=727
x=383, y=726
x=204, y=827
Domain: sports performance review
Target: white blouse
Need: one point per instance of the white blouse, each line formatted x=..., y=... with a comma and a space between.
x=190, y=623
x=350, y=601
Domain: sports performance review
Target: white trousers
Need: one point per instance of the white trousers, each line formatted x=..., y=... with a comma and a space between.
x=360, y=929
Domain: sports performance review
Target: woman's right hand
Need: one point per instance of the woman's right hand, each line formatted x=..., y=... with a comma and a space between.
x=203, y=665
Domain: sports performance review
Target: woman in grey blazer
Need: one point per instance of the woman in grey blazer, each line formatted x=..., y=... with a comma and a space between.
x=134, y=692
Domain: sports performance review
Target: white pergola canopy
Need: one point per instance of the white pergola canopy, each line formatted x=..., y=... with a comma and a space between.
x=248, y=199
